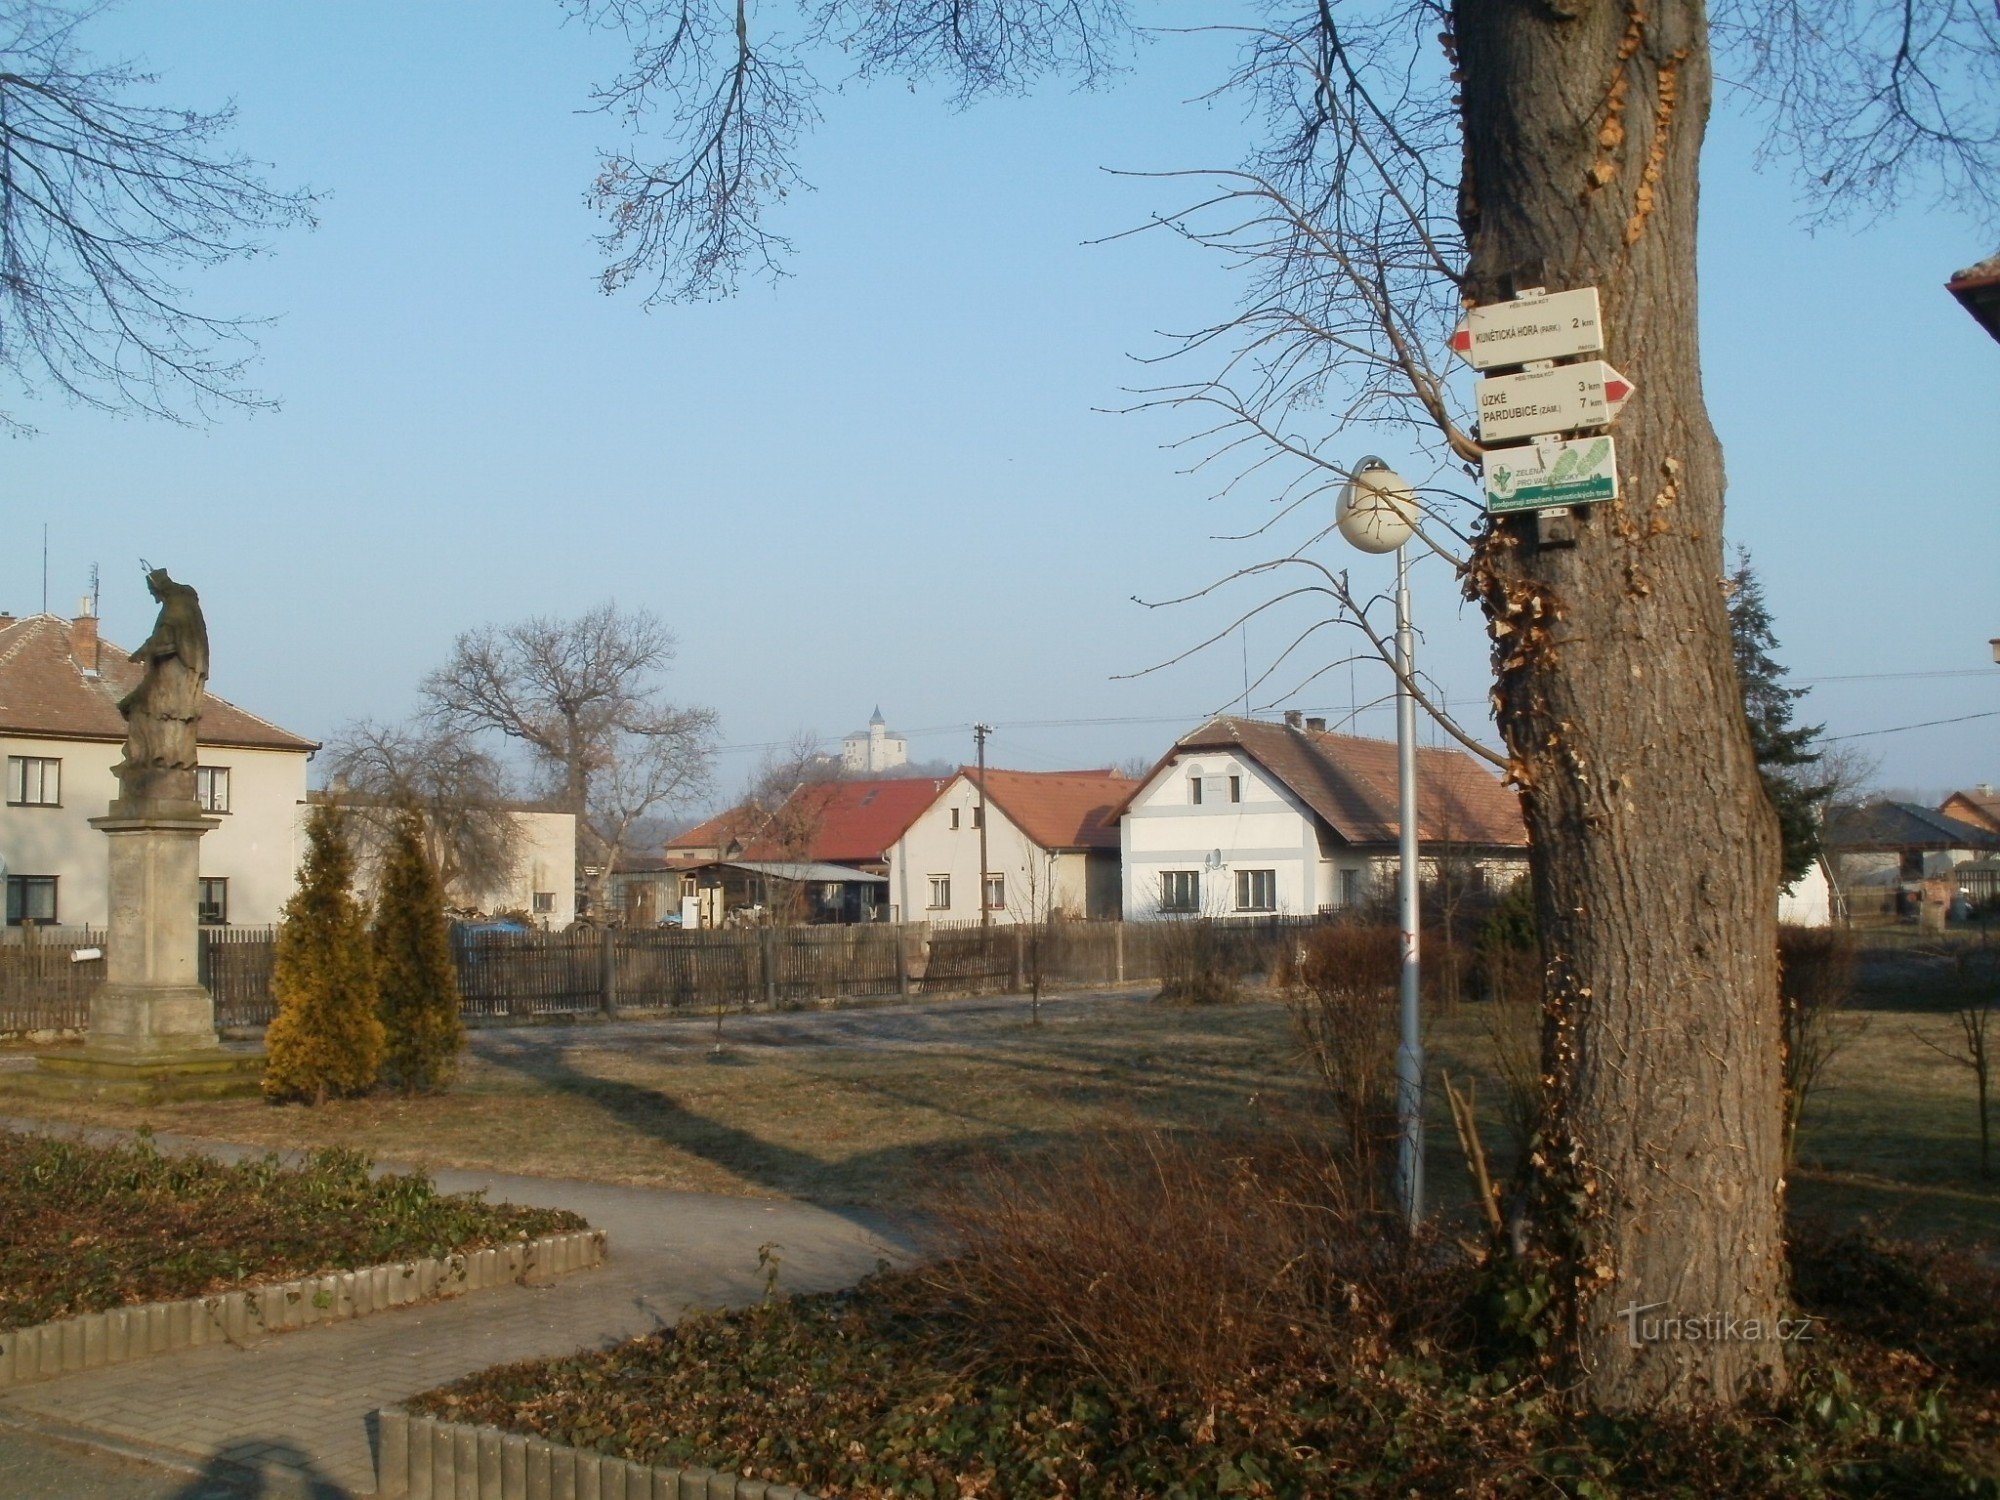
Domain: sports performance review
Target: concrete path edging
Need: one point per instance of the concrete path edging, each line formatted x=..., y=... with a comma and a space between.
x=421, y=1458
x=123, y=1334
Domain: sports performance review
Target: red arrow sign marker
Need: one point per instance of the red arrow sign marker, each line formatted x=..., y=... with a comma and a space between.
x=1461, y=338
x=1617, y=389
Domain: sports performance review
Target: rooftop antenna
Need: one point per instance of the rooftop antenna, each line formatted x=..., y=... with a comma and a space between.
x=93, y=591
x=45, y=567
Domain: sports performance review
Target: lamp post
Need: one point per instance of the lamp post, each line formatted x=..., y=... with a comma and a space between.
x=1376, y=513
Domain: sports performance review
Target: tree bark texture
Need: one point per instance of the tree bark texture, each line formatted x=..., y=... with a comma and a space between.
x=1657, y=1183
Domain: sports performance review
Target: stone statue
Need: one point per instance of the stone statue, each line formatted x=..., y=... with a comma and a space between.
x=164, y=710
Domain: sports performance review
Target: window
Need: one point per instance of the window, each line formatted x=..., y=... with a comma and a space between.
x=1180, y=890
x=34, y=781
x=1350, y=887
x=979, y=816
x=996, y=892
x=1256, y=890
x=211, y=788
x=1911, y=866
x=545, y=903
x=940, y=892
x=212, y=909
x=31, y=900
x=954, y=817
x=1194, y=789
x=1236, y=789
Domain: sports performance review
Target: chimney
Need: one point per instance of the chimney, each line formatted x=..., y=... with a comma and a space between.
x=5, y=619
x=1317, y=726
x=83, y=639
x=1293, y=719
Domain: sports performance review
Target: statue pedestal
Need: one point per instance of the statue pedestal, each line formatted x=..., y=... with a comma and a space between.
x=152, y=1027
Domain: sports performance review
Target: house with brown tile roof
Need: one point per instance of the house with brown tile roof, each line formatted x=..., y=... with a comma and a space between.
x=1247, y=816
x=60, y=735
x=1979, y=806
x=1049, y=846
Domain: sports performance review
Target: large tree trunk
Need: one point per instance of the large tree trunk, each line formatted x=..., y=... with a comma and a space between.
x=1658, y=1178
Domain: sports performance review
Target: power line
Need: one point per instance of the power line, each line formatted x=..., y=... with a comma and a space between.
x=1900, y=676
x=1864, y=734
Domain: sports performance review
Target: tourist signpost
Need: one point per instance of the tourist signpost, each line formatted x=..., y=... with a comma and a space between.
x=1559, y=399
x=1541, y=325
x=1556, y=407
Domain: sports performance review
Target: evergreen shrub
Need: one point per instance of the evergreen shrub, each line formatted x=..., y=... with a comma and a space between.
x=326, y=1039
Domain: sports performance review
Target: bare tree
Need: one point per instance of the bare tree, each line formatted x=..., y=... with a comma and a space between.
x=1413, y=158
x=583, y=696
x=440, y=772
x=104, y=202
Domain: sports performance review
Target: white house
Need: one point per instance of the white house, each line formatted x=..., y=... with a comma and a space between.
x=1247, y=816
x=1049, y=848
x=60, y=736
x=540, y=883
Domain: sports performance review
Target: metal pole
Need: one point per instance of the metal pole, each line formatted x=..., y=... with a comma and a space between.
x=1410, y=1054
x=979, y=733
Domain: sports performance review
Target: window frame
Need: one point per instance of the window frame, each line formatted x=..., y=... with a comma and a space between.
x=17, y=781
x=542, y=903
x=996, y=891
x=1247, y=880
x=203, y=906
x=1235, y=788
x=16, y=906
x=205, y=781
x=1175, y=899
x=940, y=886
x=1194, y=791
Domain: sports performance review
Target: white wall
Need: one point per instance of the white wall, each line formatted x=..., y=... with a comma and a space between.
x=1268, y=829
x=931, y=846
x=255, y=845
x=544, y=863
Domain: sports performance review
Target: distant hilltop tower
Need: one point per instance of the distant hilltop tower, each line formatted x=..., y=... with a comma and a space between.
x=874, y=749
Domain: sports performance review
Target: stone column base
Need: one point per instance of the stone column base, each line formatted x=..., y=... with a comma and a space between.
x=213, y=1072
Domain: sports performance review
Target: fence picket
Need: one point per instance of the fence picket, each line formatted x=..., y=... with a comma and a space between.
x=526, y=974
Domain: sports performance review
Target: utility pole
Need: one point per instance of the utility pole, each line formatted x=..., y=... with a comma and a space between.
x=979, y=733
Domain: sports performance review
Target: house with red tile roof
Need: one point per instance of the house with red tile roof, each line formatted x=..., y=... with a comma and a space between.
x=61, y=734
x=1247, y=816
x=1048, y=846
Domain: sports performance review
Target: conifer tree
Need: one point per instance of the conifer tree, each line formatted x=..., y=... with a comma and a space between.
x=326, y=1040
x=413, y=966
x=1785, y=750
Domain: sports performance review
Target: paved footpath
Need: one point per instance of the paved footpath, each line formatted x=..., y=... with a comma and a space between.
x=289, y=1414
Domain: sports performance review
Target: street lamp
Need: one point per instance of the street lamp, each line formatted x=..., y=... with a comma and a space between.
x=1377, y=512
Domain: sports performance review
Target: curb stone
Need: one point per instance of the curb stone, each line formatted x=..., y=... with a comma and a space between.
x=245, y=1314
x=421, y=1458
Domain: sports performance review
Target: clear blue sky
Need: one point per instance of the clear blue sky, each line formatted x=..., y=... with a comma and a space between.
x=887, y=479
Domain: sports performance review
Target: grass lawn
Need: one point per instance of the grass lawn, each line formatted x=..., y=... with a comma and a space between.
x=870, y=1106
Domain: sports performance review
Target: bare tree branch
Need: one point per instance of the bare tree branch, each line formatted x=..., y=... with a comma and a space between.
x=104, y=203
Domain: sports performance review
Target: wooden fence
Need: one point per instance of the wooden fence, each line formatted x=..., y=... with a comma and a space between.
x=45, y=986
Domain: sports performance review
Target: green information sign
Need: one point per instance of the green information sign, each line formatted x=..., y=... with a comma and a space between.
x=1540, y=476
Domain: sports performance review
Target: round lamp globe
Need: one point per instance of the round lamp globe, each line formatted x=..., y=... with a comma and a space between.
x=1377, y=509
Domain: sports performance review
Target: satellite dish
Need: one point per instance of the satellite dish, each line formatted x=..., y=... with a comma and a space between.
x=1377, y=510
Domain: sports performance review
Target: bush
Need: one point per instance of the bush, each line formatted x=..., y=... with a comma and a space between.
x=413, y=965
x=1342, y=986
x=1175, y=1268
x=1199, y=962
x=1815, y=979
x=326, y=1038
